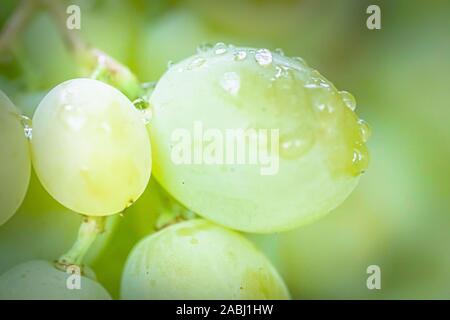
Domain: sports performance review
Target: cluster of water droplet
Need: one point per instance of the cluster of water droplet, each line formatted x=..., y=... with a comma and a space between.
x=297, y=99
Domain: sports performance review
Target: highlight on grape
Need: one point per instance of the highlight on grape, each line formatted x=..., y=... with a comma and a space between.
x=213, y=146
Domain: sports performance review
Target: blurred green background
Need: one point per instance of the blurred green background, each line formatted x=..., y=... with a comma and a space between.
x=398, y=217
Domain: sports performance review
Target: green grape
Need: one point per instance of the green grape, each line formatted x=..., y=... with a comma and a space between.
x=199, y=260
x=40, y=280
x=44, y=229
x=90, y=147
x=317, y=156
x=15, y=164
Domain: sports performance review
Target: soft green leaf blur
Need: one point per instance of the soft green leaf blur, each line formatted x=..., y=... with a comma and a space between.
x=398, y=217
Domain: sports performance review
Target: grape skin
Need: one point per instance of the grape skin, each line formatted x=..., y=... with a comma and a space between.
x=15, y=163
x=199, y=260
x=90, y=147
x=40, y=280
x=322, y=148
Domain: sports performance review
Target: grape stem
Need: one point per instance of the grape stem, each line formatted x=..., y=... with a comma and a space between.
x=93, y=61
x=89, y=229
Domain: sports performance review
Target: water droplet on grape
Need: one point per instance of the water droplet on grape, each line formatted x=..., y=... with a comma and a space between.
x=197, y=62
x=300, y=61
x=231, y=82
x=146, y=115
x=293, y=146
x=72, y=117
x=220, y=48
x=140, y=103
x=169, y=64
x=359, y=161
x=364, y=129
x=322, y=101
x=106, y=127
x=27, y=129
x=204, y=47
x=317, y=81
x=278, y=72
x=263, y=57
x=240, y=55
x=348, y=99
x=279, y=51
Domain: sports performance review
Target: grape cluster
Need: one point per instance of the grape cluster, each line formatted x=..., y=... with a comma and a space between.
x=92, y=150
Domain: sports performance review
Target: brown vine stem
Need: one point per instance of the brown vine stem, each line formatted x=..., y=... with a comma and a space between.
x=16, y=23
x=93, y=61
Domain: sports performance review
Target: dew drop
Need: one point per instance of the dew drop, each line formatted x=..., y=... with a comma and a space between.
x=293, y=146
x=263, y=57
x=359, y=161
x=240, y=55
x=140, y=103
x=278, y=72
x=357, y=156
x=106, y=127
x=27, y=129
x=146, y=115
x=72, y=117
x=317, y=81
x=231, y=82
x=197, y=62
x=279, y=51
x=220, y=48
x=322, y=101
x=364, y=129
x=300, y=61
x=204, y=47
x=348, y=99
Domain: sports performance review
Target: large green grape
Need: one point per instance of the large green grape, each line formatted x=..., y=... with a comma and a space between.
x=314, y=163
x=199, y=260
x=15, y=164
x=90, y=147
x=40, y=280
